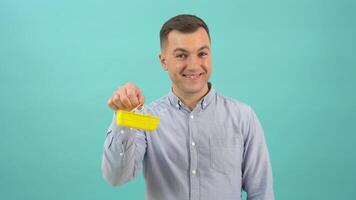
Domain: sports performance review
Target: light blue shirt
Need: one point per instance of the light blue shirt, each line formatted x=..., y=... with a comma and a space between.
x=209, y=153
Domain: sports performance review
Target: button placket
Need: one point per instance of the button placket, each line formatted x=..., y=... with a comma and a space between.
x=194, y=180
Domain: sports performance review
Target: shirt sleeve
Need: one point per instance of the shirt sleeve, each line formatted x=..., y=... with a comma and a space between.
x=257, y=178
x=124, y=149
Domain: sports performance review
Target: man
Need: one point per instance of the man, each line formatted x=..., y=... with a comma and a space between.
x=206, y=146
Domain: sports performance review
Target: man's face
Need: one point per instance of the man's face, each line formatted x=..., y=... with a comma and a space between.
x=186, y=57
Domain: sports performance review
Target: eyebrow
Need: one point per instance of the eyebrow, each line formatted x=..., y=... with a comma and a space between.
x=204, y=47
x=186, y=51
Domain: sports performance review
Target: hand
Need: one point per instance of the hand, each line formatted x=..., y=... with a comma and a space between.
x=126, y=98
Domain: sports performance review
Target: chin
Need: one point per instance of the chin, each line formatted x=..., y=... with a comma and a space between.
x=194, y=88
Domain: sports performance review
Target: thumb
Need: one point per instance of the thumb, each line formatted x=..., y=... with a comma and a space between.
x=140, y=97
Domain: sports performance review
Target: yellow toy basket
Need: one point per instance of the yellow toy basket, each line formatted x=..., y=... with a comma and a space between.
x=136, y=120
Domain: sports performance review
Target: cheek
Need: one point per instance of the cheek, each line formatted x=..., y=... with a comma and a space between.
x=171, y=63
x=208, y=62
x=175, y=67
x=173, y=71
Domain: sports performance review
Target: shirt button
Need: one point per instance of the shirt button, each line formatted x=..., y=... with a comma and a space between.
x=194, y=172
x=121, y=154
x=122, y=131
x=193, y=143
x=191, y=116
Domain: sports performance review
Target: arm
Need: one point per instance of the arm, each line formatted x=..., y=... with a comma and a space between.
x=257, y=178
x=124, y=149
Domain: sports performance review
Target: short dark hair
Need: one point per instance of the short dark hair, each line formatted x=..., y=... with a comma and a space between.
x=184, y=23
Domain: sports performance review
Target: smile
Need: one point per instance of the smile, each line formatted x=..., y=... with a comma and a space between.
x=194, y=76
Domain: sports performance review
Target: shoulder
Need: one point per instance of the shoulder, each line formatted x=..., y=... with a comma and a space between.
x=234, y=105
x=157, y=106
x=241, y=113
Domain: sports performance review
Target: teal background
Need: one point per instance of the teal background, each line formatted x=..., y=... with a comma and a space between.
x=294, y=62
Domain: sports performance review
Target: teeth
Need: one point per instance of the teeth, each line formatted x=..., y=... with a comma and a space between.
x=192, y=75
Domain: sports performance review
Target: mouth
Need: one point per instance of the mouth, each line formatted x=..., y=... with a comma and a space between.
x=193, y=76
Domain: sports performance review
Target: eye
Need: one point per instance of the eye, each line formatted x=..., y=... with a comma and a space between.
x=181, y=56
x=203, y=54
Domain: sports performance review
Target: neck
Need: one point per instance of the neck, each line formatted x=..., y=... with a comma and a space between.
x=191, y=99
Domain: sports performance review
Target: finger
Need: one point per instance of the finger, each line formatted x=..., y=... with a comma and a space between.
x=125, y=102
x=112, y=105
x=131, y=94
x=117, y=102
x=141, y=98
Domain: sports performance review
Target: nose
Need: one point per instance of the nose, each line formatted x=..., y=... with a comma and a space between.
x=194, y=62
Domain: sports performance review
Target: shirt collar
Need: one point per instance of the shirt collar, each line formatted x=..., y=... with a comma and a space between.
x=203, y=103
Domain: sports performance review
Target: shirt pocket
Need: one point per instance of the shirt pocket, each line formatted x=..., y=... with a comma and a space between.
x=225, y=154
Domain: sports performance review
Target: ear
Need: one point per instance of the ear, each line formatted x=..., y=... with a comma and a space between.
x=163, y=61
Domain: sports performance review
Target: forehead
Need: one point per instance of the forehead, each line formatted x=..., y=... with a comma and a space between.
x=189, y=41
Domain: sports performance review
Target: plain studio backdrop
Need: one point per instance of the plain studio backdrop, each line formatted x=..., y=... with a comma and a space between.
x=293, y=61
